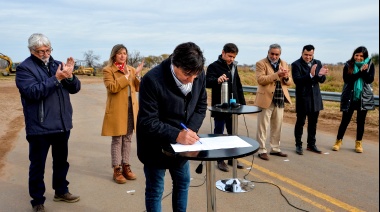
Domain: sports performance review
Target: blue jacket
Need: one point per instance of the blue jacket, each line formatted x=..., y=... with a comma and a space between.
x=308, y=93
x=45, y=100
x=162, y=108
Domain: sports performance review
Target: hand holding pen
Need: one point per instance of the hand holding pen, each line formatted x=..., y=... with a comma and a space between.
x=187, y=136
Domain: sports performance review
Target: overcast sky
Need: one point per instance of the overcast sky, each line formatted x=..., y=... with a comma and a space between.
x=334, y=27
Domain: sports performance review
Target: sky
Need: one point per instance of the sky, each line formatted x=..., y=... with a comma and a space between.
x=334, y=27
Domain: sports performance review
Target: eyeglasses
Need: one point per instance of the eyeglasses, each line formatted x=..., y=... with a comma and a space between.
x=42, y=52
x=274, y=54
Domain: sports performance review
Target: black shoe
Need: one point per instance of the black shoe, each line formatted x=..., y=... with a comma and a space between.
x=222, y=166
x=238, y=165
x=38, y=208
x=299, y=150
x=314, y=148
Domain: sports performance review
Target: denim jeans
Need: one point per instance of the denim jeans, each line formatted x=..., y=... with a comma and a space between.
x=38, y=149
x=219, y=125
x=155, y=187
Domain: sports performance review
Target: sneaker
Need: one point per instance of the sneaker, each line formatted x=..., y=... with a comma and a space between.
x=39, y=208
x=68, y=197
x=127, y=172
x=223, y=166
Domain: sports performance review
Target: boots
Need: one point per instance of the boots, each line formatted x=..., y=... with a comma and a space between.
x=358, y=147
x=118, y=175
x=337, y=144
x=127, y=172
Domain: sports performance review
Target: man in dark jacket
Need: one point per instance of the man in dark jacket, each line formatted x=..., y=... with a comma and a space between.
x=224, y=69
x=44, y=85
x=307, y=73
x=172, y=106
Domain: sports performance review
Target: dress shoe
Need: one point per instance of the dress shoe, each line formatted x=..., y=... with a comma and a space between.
x=314, y=148
x=278, y=154
x=264, y=156
x=238, y=165
x=223, y=166
x=299, y=150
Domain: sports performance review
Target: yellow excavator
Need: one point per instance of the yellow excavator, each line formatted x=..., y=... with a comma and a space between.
x=80, y=68
x=11, y=67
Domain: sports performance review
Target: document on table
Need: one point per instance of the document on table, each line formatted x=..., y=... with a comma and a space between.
x=220, y=142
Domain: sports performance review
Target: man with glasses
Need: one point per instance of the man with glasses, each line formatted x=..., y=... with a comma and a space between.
x=45, y=86
x=172, y=106
x=273, y=79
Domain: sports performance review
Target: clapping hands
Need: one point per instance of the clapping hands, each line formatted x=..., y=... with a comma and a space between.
x=65, y=71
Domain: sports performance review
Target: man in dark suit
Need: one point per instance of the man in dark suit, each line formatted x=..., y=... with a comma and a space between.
x=307, y=73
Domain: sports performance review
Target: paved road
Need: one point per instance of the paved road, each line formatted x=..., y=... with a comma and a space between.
x=333, y=181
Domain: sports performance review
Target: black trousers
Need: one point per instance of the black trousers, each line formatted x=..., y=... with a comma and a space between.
x=360, y=121
x=312, y=119
x=38, y=149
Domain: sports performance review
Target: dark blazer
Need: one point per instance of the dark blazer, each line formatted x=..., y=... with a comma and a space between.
x=367, y=100
x=45, y=100
x=162, y=109
x=308, y=93
x=214, y=71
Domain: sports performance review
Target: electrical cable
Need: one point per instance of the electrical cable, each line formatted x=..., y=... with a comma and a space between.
x=286, y=199
x=246, y=127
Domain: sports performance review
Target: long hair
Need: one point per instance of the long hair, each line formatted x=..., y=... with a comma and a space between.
x=114, y=51
x=351, y=62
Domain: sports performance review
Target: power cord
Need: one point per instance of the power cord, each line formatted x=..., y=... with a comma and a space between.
x=246, y=127
x=273, y=185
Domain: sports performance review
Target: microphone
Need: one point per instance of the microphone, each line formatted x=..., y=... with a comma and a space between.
x=199, y=169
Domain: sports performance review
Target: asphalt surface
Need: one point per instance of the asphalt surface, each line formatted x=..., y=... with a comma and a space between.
x=332, y=181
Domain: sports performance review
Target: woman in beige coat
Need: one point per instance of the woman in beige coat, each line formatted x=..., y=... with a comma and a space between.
x=122, y=82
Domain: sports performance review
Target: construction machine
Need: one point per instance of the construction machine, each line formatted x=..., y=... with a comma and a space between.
x=81, y=68
x=11, y=67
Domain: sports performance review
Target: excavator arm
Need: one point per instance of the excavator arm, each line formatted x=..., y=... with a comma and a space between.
x=9, y=69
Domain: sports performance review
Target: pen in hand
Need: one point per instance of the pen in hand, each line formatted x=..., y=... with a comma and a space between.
x=187, y=129
x=184, y=127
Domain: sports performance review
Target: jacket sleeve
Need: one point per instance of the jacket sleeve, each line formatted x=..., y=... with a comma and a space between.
x=31, y=86
x=149, y=113
x=113, y=83
x=196, y=120
x=320, y=79
x=263, y=78
x=239, y=87
x=73, y=86
x=211, y=77
x=369, y=75
x=298, y=77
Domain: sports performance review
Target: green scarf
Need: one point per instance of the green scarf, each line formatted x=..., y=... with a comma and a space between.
x=358, y=86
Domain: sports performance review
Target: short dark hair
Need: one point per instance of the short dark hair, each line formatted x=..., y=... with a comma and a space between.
x=308, y=48
x=189, y=57
x=230, y=48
